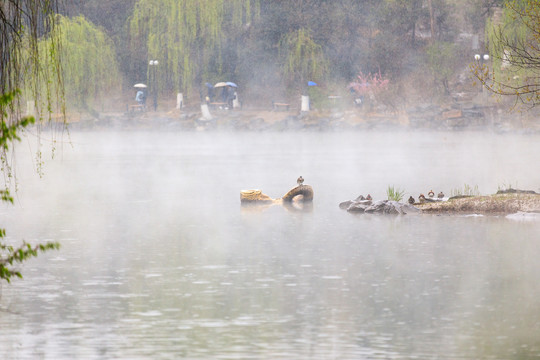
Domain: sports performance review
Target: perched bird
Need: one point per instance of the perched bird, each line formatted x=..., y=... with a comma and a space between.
x=411, y=200
x=421, y=199
x=441, y=195
x=369, y=197
x=431, y=193
x=300, y=180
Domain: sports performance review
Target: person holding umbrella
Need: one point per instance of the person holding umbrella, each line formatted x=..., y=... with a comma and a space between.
x=231, y=94
x=228, y=93
x=210, y=95
x=140, y=97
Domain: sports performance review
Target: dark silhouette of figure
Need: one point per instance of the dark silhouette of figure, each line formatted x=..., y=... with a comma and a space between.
x=210, y=95
x=225, y=94
x=230, y=97
x=140, y=97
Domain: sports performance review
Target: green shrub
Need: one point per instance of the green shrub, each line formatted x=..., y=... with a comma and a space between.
x=395, y=194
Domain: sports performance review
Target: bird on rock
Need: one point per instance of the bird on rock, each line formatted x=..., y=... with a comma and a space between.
x=411, y=200
x=300, y=180
x=369, y=197
x=421, y=199
x=431, y=193
x=441, y=195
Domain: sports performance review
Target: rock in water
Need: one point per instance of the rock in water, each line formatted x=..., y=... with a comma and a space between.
x=378, y=207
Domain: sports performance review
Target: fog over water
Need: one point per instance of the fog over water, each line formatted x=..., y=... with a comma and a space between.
x=159, y=260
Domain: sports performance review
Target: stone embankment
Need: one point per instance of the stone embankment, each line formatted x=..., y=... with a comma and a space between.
x=431, y=117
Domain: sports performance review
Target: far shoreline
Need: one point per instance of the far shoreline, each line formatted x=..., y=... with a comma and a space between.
x=471, y=118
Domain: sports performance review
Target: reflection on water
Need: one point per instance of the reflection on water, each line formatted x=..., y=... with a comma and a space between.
x=159, y=260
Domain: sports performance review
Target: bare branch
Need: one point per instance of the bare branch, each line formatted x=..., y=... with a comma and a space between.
x=515, y=53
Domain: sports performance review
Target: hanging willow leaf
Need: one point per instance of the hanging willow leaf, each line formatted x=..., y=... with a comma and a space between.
x=185, y=36
x=22, y=24
x=89, y=66
x=302, y=58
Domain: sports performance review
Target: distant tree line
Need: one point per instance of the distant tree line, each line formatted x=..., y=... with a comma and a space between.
x=276, y=46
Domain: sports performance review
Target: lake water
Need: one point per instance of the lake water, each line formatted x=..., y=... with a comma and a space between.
x=160, y=261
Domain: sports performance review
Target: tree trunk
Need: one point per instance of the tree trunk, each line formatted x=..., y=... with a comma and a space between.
x=431, y=20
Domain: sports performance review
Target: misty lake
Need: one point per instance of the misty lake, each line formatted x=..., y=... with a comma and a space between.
x=160, y=261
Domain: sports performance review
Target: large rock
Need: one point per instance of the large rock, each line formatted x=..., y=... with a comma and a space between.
x=391, y=207
x=355, y=205
x=378, y=207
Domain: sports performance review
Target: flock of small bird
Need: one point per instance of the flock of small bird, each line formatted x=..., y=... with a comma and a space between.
x=421, y=198
x=361, y=197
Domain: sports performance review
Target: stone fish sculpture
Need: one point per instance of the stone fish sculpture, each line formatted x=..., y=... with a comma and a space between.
x=300, y=197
